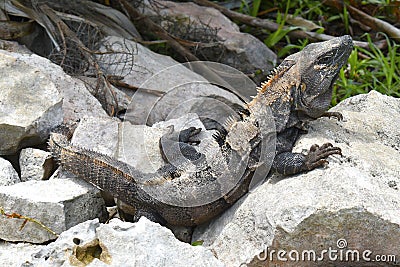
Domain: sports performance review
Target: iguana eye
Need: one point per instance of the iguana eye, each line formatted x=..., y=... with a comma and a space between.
x=324, y=60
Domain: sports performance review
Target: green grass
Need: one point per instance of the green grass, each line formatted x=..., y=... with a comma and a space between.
x=252, y=9
x=367, y=69
x=370, y=70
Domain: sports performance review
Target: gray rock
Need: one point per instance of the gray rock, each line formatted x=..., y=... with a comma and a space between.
x=148, y=244
x=8, y=176
x=122, y=244
x=30, y=103
x=77, y=101
x=63, y=251
x=12, y=46
x=35, y=164
x=193, y=97
x=98, y=134
x=57, y=204
x=139, y=144
x=16, y=254
x=352, y=204
x=170, y=90
x=239, y=50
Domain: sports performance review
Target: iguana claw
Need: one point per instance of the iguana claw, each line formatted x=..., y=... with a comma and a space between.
x=335, y=114
x=189, y=135
x=317, y=155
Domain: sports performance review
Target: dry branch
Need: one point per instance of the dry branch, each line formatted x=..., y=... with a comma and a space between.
x=147, y=24
x=272, y=26
x=376, y=24
x=25, y=220
x=86, y=52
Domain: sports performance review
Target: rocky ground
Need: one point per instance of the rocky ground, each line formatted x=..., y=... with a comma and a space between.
x=50, y=218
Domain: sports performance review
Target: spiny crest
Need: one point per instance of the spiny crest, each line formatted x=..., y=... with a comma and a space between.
x=275, y=73
x=219, y=136
x=229, y=122
x=209, y=149
x=56, y=143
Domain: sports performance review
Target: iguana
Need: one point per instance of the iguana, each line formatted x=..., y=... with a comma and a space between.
x=299, y=90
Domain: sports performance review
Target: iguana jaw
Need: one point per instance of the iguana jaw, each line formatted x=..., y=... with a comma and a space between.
x=319, y=67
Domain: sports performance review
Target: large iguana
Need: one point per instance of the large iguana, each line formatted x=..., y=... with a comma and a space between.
x=299, y=90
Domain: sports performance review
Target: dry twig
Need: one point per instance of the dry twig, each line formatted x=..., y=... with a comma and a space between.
x=375, y=23
x=147, y=24
x=26, y=219
x=272, y=26
x=66, y=31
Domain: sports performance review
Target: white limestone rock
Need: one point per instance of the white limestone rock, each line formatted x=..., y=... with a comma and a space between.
x=98, y=134
x=354, y=200
x=35, y=164
x=16, y=254
x=30, y=103
x=118, y=243
x=77, y=101
x=8, y=175
x=58, y=204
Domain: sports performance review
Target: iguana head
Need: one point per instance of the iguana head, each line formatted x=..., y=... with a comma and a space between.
x=318, y=67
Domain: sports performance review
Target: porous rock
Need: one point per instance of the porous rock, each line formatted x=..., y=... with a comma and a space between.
x=118, y=243
x=12, y=46
x=8, y=175
x=77, y=101
x=30, y=103
x=35, y=164
x=351, y=205
x=57, y=204
x=16, y=254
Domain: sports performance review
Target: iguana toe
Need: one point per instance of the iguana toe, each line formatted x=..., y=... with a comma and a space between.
x=317, y=155
x=335, y=114
x=189, y=135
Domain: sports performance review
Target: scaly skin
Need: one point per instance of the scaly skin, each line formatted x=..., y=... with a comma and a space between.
x=298, y=91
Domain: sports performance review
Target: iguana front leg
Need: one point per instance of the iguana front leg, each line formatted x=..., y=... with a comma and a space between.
x=291, y=163
x=174, y=145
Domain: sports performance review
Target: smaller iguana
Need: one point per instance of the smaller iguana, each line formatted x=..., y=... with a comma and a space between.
x=299, y=90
